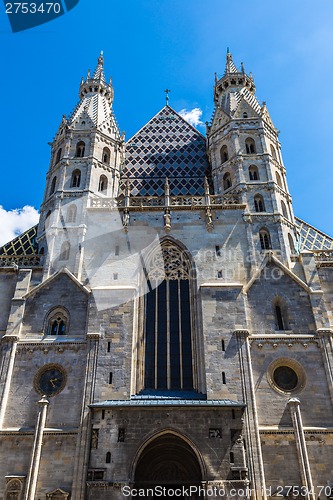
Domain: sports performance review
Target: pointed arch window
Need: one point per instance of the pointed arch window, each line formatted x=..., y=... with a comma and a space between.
x=103, y=184
x=76, y=178
x=58, y=157
x=65, y=251
x=80, y=149
x=47, y=219
x=71, y=213
x=281, y=314
x=273, y=152
x=284, y=209
x=265, y=239
x=250, y=146
x=224, y=154
x=168, y=320
x=57, y=322
x=227, y=183
x=291, y=243
x=106, y=156
x=278, y=180
x=53, y=185
x=253, y=173
x=259, y=204
x=14, y=490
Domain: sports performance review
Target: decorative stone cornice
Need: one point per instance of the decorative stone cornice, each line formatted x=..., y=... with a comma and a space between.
x=322, y=332
x=94, y=336
x=10, y=338
x=242, y=333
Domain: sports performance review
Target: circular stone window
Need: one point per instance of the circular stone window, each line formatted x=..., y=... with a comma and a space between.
x=286, y=376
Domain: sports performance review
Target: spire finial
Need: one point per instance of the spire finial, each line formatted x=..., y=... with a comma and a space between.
x=228, y=50
x=167, y=91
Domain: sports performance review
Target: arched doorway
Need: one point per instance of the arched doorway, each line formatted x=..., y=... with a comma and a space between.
x=170, y=462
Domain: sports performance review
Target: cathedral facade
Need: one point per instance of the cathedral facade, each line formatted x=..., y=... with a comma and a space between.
x=166, y=329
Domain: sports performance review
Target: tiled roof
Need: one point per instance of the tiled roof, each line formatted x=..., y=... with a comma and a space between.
x=25, y=244
x=311, y=238
x=167, y=146
x=166, y=402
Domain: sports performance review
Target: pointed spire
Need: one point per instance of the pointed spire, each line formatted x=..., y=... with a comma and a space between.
x=230, y=67
x=99, y=71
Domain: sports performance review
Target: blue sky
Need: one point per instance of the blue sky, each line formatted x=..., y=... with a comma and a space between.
x=153, y=44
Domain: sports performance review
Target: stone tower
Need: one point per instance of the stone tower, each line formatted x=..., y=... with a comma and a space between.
x=167, y=328
x=86, y=156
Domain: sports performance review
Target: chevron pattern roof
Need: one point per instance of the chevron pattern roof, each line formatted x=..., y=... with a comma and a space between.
x=167, y=146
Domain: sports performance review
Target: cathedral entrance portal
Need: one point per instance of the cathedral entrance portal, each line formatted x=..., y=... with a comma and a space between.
x=168, y=462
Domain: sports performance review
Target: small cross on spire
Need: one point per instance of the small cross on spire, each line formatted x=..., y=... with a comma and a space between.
x=167, y=91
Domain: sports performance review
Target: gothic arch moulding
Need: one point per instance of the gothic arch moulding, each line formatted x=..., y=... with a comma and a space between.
x=168, y=456
x=168, y=325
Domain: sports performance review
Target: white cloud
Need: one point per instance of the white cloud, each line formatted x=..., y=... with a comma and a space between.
x=15, y=222
x=193, y=116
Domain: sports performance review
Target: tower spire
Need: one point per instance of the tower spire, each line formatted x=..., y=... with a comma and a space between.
x=99, y=71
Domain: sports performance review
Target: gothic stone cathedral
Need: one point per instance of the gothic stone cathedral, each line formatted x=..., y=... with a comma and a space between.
x=168, y=323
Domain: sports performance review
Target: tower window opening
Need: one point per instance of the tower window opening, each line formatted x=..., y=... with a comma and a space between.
x=253, y=173
x=218, y=250
x=65, y=251
x=223, y=345
x=224, y=154
x=250, y=146
x=47, y=219
x=71, y=213
x=53, y=185
x=219, y=274
x=232, y=457
x=284, y=209
x=265, y=240
x=106, y=156
x=76, y=178
x=58, y=157
x=291, y=243
x=108, y=458
x=103, y=414
x=278, y=180
x=224, y=381
x=103, y=184
x=80, y=149
x=259, y=204
x=245, y=115
x=227, y=183
x=110, y=378
x=273, y=152
x=109, y=347
x=280, y=311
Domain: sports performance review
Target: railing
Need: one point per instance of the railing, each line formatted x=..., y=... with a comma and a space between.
x=324, y=257
x=18, y=261
x=160, y=201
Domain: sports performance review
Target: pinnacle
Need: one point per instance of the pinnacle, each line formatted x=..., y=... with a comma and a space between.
x=99, y=71
x=230, y=66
